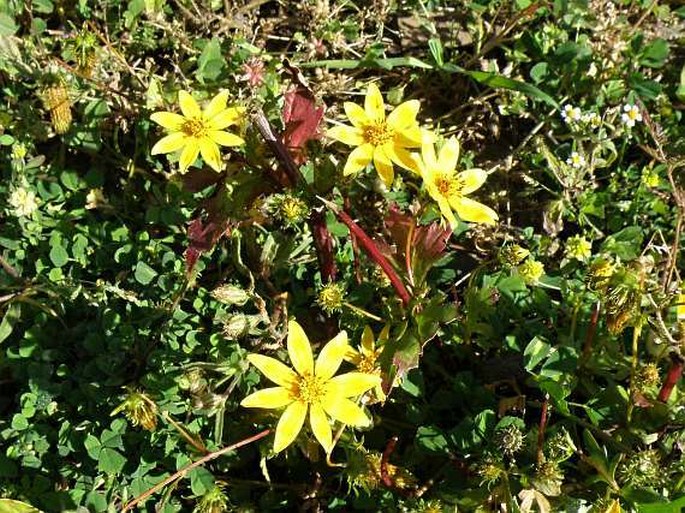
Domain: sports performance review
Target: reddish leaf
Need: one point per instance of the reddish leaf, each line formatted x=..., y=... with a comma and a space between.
x=302, y=118
x=203, y=235
x=417, y=247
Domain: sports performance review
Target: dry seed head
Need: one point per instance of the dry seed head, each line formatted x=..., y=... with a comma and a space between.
x=139, y=410
x=56, y=100
x=331, y=297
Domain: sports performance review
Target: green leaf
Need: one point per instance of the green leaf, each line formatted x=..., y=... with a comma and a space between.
x=58, y=253
x=431, y=439
x=144, y=274
x=12, y=506
x=497, y=81
x=111, y=461
x=211, y=61
x=536, y=350
x=7, y=25
x=655, y=55
x=201, y=481
x=674, y=506
x=93, y=447
x=435, y=47
x=11, y=316
x=680, y=92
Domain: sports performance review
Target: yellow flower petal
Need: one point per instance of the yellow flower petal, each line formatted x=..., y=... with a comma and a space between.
x=189, y=106
x=384, y=335
x=274, y=370
x=352, y=355
x=169, y=120
x=299, y=349
x=346, y=134
x=358, y=159
x=449, y=155
x=351, y=384
x=472, y=179
x=383, y=165
x=356, y=114
x=404, y=116
x=217, y=104
x=446, y=211
x=345, y=411
x=289, y=425
x=276, y=397
x=474, y=212
x=401, y=157
x=373, y=104
x=226, y=117
x=169, y=143
x=368, y=344
x=189, y=154
x=210, y=153
x=226, y=138
x=428, y=155
x=409, y=138
x=331, y=356
x=320, y=427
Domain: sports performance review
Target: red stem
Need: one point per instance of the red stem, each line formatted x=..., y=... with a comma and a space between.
x=541, y=430
x=373, y=251
x=674, y=374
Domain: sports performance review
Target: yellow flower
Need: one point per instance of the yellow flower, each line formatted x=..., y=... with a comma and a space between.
x=198, y=132
x=377, y=138
x=531, y=271
x=310, y=388
x=366, y=357
x=450, y=188
x=579, y=248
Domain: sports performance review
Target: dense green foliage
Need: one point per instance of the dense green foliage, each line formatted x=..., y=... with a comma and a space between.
x=530, y=365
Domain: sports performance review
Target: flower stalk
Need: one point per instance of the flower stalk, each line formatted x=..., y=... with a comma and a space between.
x=372, y=250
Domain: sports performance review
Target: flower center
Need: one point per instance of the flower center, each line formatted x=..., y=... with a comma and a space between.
x=448, y=185
x=309, y=389
x=195, y=127
x=377, y=133
x=367, y=364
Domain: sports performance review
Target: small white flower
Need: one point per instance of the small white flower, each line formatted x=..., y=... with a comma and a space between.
x=631, y=115
x=576, y=160
x=571, y=113
x=24, y=202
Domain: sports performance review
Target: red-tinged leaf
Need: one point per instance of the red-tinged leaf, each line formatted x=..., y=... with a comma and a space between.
x=302, y=119
x=204, y=234
x=324, y=245
x=418, y=248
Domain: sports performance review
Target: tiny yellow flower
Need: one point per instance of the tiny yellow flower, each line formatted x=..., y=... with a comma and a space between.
x=198, y=132
x=578, y=248
x=311, y=388
x=377, y=138
x=24, y=202
x=366, y=357
x=449, y=188
x=531, y=271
